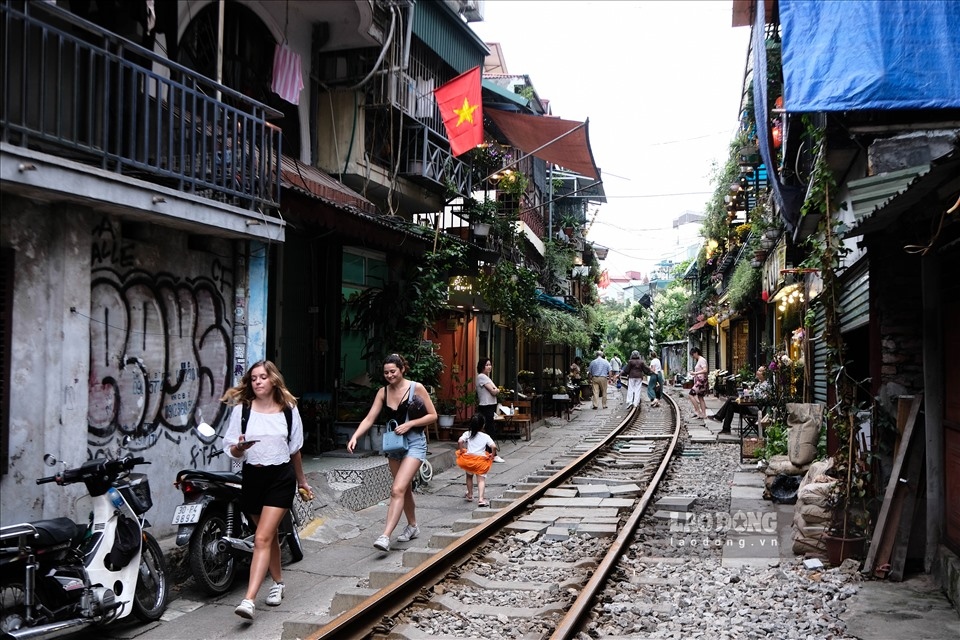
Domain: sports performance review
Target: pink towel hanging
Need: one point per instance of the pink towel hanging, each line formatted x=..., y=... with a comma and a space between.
x=287, y=78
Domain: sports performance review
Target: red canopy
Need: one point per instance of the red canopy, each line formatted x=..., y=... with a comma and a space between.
x=562, y=142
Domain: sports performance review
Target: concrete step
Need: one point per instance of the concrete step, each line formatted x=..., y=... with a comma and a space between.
x=380, y=578
x=441, y=540
x=416, y=556
x=349, y=598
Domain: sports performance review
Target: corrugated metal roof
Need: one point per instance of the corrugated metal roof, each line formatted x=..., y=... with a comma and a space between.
x=311, y=181
x=866, y=194
x=942, y=175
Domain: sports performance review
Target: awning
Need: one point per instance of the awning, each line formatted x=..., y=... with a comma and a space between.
x=551, y=301
x=562, y=142
x=699, y=325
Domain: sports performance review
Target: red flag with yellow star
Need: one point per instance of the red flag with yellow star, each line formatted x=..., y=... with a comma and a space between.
x=459, y=102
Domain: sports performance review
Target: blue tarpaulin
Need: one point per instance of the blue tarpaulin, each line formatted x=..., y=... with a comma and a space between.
x=870, y=54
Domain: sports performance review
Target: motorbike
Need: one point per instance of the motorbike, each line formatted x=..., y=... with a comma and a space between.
x=220, y=535
x=58, y=576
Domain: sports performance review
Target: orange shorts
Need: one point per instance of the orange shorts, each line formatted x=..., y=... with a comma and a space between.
x=479, y=465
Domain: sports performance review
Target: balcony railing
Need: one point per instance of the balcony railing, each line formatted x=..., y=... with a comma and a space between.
x=73, y=89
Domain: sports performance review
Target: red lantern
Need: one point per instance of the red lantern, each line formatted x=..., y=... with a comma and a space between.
x=764, y=295
x=777, y=136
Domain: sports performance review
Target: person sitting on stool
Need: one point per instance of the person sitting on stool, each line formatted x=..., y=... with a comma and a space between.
x=731, y=407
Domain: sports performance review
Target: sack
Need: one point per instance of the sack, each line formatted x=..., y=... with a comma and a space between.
x=393, y=442
x=803, y=420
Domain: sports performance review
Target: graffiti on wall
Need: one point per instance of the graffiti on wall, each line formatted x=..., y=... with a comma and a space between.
x=159, y=346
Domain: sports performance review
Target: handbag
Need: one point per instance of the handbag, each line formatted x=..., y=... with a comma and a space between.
x=394, y=442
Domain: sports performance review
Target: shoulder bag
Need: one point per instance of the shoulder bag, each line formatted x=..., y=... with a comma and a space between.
x=393, y=442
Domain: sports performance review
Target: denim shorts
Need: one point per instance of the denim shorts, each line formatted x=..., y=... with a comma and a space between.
x=416, y=447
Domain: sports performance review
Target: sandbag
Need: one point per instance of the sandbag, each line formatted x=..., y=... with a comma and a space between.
x=778, y=465
x=803, y=421
x=813, y=514
x=815, y=493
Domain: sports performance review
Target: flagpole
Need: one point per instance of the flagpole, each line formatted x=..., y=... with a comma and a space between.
x=543, y=146
x=566, y=195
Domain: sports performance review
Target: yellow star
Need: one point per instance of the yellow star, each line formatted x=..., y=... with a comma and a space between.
x=465, y=112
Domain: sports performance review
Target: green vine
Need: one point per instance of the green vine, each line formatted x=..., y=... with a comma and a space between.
x=849, y=498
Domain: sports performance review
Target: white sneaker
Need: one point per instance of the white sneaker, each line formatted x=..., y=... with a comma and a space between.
x=382, y=543
x=276, y=594
x=409, y=533
x=245, y=609
x=498, y=459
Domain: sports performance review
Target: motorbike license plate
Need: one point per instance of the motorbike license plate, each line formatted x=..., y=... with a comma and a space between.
x=187, y=514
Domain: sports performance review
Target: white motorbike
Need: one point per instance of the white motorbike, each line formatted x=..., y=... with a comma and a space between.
x=58, y=577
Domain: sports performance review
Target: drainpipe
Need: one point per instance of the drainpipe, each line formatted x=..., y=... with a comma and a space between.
x=405, y=58
x=219, y=78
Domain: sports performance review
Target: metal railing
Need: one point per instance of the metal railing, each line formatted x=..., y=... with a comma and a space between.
x=73, y=89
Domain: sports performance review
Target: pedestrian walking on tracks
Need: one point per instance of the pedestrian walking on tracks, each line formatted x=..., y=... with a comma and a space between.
x=475, y=454
x=599, y=372
x=409, y=404
x=635, y=369
x=268, y=442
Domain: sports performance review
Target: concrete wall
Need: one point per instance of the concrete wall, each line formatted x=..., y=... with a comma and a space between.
x=119, y=330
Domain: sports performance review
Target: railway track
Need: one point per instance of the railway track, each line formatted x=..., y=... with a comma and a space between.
x=533, y=568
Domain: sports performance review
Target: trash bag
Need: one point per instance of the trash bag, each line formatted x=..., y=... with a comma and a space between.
x=783, y=489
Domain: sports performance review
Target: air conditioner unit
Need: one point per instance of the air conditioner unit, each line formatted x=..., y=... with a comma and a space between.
x=473, y=10
x=402, y=91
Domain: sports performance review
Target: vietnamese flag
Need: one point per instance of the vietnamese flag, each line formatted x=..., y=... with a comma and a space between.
x=459, y=102
x=604, y=280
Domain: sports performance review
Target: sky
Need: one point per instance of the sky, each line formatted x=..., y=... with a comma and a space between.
x=660, y=82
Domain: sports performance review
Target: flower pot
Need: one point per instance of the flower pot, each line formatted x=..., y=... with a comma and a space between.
x=773, y=234
x=839, y=549
x=481, y=229
x=767, y=243
x=446, y=422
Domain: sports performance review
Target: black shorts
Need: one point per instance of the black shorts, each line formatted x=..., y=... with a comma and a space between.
x=269, y=486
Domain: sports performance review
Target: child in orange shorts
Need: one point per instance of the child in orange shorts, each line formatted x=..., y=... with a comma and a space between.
x=475, y=453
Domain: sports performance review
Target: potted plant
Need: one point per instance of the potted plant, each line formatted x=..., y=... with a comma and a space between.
x=481, y=215
x=446, y=412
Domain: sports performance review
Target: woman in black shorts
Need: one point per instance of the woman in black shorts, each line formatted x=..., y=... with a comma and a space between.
x=272, y=468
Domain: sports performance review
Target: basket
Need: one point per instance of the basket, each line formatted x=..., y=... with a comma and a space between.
x=750, y=446
x=137, y=493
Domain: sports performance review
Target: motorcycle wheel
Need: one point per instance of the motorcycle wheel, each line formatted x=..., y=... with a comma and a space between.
x=150, y=597
x=12, y=609
x=291, y=536
x=213, y=570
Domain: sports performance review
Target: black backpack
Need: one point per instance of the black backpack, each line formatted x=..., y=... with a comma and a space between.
x=245, y=415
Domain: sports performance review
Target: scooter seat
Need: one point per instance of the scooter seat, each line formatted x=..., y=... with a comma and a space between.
x=212, y=476
x=56, y=530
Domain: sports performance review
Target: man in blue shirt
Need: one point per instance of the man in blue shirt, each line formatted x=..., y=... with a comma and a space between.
x=599, y=372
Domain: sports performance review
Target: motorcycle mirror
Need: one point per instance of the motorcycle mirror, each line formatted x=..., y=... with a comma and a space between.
x=206, y=433
x=49, y=460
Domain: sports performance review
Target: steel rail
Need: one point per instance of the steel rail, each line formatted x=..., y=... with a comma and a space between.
x=364, y=618
x=571, y=623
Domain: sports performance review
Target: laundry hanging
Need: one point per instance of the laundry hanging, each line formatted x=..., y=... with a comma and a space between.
x=287, y=77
